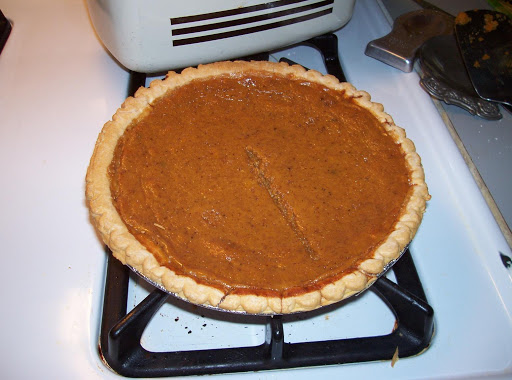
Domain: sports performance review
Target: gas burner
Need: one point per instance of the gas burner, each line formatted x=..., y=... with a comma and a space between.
x=121, y=333
x=121, y=330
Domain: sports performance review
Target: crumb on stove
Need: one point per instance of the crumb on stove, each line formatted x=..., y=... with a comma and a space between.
x=485, y=57
x=476, y=64
x=462, y=18
x=394, y=359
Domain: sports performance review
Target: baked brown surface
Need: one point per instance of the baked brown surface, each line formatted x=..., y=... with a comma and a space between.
x=255, y=187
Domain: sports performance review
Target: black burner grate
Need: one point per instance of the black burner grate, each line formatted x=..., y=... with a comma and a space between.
x=121, y=331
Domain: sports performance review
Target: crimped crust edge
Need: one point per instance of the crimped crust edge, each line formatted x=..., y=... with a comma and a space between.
x=128, y=250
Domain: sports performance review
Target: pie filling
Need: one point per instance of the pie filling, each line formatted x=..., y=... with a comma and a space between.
x=259, y=183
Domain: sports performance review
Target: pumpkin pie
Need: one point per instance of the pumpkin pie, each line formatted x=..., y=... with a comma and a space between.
x=255, y=187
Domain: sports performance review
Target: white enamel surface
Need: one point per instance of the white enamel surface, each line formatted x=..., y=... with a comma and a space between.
x=57, y=88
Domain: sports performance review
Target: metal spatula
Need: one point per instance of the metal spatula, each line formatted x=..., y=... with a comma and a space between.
x=485, y=42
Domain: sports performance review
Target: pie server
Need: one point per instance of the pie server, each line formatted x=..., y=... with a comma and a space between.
x=410, y=31
x=485, y=41
x=445, y=78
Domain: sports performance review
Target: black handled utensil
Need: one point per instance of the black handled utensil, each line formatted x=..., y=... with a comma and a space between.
x=445, y=78
x=485, y=42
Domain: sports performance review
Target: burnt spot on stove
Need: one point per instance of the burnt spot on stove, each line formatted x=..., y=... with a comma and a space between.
x=506, y=260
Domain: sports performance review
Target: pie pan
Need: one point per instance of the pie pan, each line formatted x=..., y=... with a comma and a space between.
x=242, y=312
x=379, y=245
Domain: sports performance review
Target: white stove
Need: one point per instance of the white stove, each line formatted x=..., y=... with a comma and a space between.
x=58, y=86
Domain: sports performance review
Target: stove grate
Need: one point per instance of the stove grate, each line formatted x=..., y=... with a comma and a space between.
x=121, y=331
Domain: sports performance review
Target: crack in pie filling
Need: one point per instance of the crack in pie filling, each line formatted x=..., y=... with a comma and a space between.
x=255, y=186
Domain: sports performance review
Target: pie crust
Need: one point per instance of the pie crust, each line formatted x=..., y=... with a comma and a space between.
x=131, y=252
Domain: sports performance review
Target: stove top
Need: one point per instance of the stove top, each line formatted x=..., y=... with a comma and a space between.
x=123, y=349
x=53, y=62
x=123, y=340
x=460, y=250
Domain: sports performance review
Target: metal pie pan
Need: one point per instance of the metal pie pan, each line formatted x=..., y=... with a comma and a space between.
x=238, y=312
